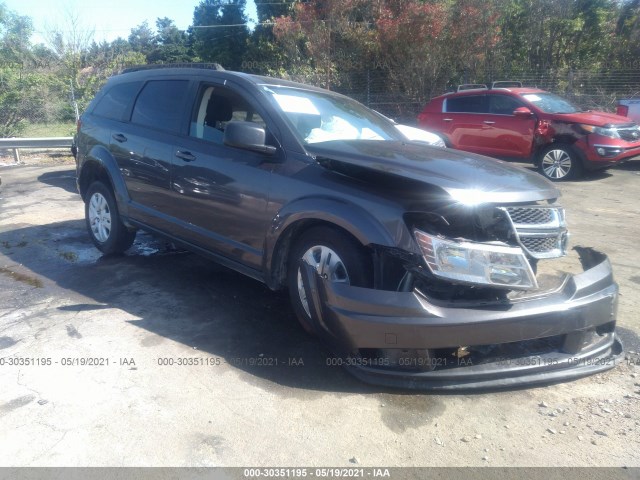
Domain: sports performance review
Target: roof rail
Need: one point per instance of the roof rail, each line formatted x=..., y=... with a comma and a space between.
x=153, y=66
x=506, y=84
x=471, y=86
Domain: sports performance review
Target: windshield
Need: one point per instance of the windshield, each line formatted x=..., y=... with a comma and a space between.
x=322, y=117
x=550, y=103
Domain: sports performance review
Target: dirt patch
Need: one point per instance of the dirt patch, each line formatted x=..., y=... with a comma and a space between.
x=20, y=277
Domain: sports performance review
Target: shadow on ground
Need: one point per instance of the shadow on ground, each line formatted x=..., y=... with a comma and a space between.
x=630, y=166
x=65, y=179
x=179, y=296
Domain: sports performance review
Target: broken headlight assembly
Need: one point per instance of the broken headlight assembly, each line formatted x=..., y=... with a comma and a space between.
x=476, y=263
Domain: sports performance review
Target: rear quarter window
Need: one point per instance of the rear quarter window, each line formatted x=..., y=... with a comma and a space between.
x=160, y=105
x=114, y=103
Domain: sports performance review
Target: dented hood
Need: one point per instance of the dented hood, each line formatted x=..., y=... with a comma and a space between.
x=599, y=119
x=468, y=178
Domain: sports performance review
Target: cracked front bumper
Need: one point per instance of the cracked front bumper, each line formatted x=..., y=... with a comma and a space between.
x=562, y=335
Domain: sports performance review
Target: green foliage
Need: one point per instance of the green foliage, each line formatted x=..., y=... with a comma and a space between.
x=626, y=51
x=18, y=96
x=268, y=9
x=412, y=48
x=220, y=32
x=53, y=129
x=15, y=31
x=142, y=39
x=555, y=34
x=172, y=44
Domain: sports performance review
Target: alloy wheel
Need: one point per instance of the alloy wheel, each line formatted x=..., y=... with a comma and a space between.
x=556, y=164
x=328, y=265
x=99, y=217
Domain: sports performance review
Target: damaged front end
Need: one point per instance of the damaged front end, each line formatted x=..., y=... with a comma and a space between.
x=478, y=304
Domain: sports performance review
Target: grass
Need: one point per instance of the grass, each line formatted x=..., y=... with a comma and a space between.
x=44, y=130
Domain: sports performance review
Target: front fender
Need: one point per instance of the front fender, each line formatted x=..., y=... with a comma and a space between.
x=312, y=210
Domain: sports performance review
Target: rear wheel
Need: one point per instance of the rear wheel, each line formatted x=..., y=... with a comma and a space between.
x=104, y=224
x=335, y=256
x=560, y=162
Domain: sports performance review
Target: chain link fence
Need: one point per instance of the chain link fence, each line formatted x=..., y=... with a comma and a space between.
x=588, y=90
x=37, y=102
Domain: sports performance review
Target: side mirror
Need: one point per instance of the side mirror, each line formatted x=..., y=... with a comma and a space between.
x=248, y=136
x=522, y=112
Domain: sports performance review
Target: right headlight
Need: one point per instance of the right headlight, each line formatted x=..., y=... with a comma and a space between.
x=476, y=263
x=605, y=132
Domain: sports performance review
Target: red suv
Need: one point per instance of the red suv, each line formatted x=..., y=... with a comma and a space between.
x=512, y=122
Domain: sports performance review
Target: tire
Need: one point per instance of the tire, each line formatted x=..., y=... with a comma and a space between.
x=348, y=263
x=104, y=224
x=560, y=162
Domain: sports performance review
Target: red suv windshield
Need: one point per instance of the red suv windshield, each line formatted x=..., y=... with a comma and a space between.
x=550, y=103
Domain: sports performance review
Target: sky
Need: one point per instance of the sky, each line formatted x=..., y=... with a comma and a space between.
x=109, y=19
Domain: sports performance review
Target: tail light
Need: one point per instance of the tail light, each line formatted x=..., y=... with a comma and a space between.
x=78, y=125
x=623, y=110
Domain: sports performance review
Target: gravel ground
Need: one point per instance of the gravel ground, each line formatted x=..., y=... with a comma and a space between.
x=60, y=300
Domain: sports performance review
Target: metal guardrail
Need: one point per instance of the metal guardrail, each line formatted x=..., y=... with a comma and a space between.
x=16, y=144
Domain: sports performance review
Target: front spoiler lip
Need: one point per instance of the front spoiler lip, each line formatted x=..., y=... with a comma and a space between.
x=351, y=318
x=545, y=369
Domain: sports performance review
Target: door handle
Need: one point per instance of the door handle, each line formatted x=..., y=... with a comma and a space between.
x=447, y=119
x=489, y=122
x=118, y=137
x=186, y=156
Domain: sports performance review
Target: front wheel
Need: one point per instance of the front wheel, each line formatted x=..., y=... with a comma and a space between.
x=560, y=162
x=335, y=256
x=105, y=227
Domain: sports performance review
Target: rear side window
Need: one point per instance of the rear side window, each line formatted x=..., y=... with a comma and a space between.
x=160, y=105
x=467, y=104
x=114, y=103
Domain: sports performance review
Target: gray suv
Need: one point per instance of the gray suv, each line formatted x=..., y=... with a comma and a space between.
x=415, y=264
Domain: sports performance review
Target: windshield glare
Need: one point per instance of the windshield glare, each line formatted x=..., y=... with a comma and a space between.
x=322, y=117
x=550, y=103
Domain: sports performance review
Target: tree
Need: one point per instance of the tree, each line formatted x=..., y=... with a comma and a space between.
x=269, y=10
x=220, y=33
x=264, y=55
x=171, y=44
x=559, y=33
x=326, y=38
x=142, y=39
x=626, y=43
x=411, y=36
x=19, y=92
x=70, y=42
x=16, y=31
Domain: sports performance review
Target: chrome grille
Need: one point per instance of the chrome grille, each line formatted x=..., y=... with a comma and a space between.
x=630, y=134
x=540, y=244
x=540, y=230
x=530, y=216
